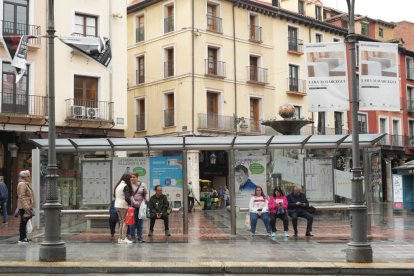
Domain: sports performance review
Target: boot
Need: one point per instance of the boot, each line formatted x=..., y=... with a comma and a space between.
x=151, y=233
x=167, y=233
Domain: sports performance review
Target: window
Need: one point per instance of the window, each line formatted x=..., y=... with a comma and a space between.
x=362, y=123
x=396, y=138
x=410, y=68
x=336, y=40
x=86, y=25
x=169, y=19
x=383, y=125
x=298, y=112
x=141, y=69
x=319, y=38
x=318, y=12
x=293, y=77
x=214, y=67
x=338, y=122
x=213, y=19
x=410, y=98
x=140, y=117
x=411, y=133
x=15, y=17
x=344, y=24
x=381, y=32
x=212, y=110
x=140, y=33
x=169, y=63
x=365, y=28
x=255, y=31
x=86, y=91
x=14, y=97
x=256, y=73
x=254, y=114
x=301, y=7
x=169, y=111
x=294, y=44
x=321, y=123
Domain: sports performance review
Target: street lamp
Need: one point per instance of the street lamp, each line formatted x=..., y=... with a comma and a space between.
x=359, y=249
x=213, y=159
x=52, y=248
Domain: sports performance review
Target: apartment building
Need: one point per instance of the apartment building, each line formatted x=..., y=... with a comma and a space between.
x=90, y=99
x=224, y=75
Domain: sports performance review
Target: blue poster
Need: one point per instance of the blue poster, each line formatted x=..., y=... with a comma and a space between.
x=167, y=171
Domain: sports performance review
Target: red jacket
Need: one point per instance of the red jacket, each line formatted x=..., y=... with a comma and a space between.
x=273, y=206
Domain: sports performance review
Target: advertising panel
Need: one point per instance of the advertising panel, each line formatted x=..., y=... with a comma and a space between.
x=167, y=171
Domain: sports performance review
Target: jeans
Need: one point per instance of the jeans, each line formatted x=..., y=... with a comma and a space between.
x=253, y=221
x=283, y=217
x=139, y=224
x=294, y=214
x=190, y=203
x=164, y=217
x=4, y=209
x=122, y=226
x=22, y=228
x=112, y=226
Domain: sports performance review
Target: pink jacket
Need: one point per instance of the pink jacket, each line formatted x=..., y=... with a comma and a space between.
x=272, y=203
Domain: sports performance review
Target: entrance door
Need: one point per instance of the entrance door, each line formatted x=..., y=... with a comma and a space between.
x=212, y=110
x=15, y=97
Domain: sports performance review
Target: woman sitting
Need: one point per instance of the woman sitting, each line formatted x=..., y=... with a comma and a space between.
x=278, y=205
x=258, y=210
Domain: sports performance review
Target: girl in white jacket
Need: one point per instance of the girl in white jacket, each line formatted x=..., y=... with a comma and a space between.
x=259, y=210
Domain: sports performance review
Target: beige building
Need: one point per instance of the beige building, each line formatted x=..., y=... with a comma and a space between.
x=224, y=72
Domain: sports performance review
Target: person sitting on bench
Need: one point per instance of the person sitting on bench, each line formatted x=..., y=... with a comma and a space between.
x=158, y=205
x=297, y=204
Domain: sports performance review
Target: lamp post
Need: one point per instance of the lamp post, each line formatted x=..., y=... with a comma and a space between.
x=359, y=249
x=52, y=248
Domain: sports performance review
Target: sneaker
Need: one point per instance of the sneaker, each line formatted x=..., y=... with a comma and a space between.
x=286, y=234
x=119, y=240
x=308, y=234
x=167, y=233
x=126, y=241
x=140, y=240
x=23, y=242
x=273, y=234
x=151, y=233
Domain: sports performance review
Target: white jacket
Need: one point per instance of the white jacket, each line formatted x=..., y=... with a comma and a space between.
x=120, y=201
x=258, y=202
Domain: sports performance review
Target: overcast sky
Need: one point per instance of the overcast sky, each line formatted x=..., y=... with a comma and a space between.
x=387, y=10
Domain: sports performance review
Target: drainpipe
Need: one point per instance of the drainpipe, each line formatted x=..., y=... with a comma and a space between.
x=234, y=66
x=111, y=107
x=192, y=68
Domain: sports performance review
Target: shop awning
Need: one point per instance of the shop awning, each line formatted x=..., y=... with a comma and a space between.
x=208, y=143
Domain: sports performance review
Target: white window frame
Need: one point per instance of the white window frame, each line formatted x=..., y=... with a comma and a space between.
x=367, y=116
x=135, y=25
x=219, y=99
x=165, y=9
x=165, y=106
x=399, y=125
x=137, y=99
x=90, y=13
x=165, y=59
x=322, y=37
x=144, y=54
x=261, y=111
x=387, y=124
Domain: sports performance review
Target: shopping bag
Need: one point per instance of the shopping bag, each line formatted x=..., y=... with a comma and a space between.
x=129, y=219
x=247, y=221
x=29, y=227
x=143, y=211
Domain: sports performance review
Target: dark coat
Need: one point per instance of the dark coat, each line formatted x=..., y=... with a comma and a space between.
x=292, y=199
x=158, y=204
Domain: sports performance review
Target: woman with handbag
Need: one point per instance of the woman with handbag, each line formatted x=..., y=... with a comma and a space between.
x=25, y=204
x=278, y=205
x=122, y=194
x=141, y=194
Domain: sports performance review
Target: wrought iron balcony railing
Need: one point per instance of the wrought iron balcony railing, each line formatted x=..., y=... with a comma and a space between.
x=214, y=24
x=257, y=74
x=168, y=69
x=140, y=34
x=168, y=24
x=140, y=122
x=23, y=104
x=140, y=76
x=88, y=110
x=394, y=140
x=410, y=105
x=14, y=28
x=295, y=45
x=215, y=68
x=255, y=33
x=296, y=85
x=307, y=130
x=221, y=123
x=169, y=117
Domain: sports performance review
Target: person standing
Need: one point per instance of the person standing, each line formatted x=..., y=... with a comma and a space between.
x=258, y=210
x=297, y=202
x=278, y=205
x=4, y=195
x=113, y=219
x=25, y=204
x=140, y=193
x=158, y=205
x=122, y=194
x=190, y=197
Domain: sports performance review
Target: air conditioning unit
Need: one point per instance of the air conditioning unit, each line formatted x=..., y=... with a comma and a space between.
x=77, y=111
x=92, y=113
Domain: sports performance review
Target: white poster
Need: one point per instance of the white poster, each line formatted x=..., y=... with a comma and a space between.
x=319, y=179
x=96, y=182
x=378, y=76
x=249, y=172
x=327, y=77
x=397, y=194
x=123, y=165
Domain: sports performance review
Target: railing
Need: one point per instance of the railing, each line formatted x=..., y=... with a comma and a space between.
x=257, y=74
x=214, y=24
x=295, y=45
x=140, y=76
x=411, y=142
x=296, y=85
x=307, y=130
x=140, y=122
x=215, y=68
x=168, y=117
x=410, y=72
x=410, y=106
x=88, y=110
x=31, y=105
x=168, y=24
x=140, y=34
x=394, y=140
x=14, y=28
x=254, y=126
x=222, y=123
x=168, y=69
x=255, y=33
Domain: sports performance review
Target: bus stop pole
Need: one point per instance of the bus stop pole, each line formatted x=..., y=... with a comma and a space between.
x=185, y=193
x=232, y=190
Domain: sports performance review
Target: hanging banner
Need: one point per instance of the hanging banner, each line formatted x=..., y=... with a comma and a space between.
x=378, y=76
x=16, y=48
x=97, y=48
x=327, y=77
x=249, y=172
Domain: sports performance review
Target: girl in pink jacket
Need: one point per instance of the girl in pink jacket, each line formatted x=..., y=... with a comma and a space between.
x=278, y=205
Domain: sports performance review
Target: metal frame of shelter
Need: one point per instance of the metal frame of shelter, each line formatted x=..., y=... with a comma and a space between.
x=226, y=143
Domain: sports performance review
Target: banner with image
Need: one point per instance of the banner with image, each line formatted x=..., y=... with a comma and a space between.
x=167, y=171
x=378, y=76
x=327, y=80
x=121, y=165
x=249, y=172
x=16, y=48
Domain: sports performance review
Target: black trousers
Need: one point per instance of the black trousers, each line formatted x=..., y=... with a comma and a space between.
x=294, y=214
x=283, y=217
x=112, y=225
x=22, y=227
x=190, y=203
x=153, y=217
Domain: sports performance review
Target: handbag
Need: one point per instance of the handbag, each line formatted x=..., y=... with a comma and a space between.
x=129, y=218
x=143, y=210
x=29, y=226
x=28, y=214
x=310, y=209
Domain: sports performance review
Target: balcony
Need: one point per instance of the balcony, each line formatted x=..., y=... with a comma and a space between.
x=410, y=72
x=168, y=24
x=307, y=130
x=410, y=106
x=139, y=34
x=140, y=75
x=214, y=24
x=226, y=124
x=215, y=68
x=255, y=34
x=140, y=122
x=25, y=105
x=14, y=28
x=257, y=75
x=169, y=117
x=88, y=110
x=295, y=45
x=168, y=69
x=393, y=140
x=296, y=86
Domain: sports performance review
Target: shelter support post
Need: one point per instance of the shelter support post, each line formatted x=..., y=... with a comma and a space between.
x=185, y=193
x=232, y=190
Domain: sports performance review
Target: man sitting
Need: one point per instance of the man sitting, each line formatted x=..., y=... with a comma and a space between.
x=158, y=206
x=297, y=204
